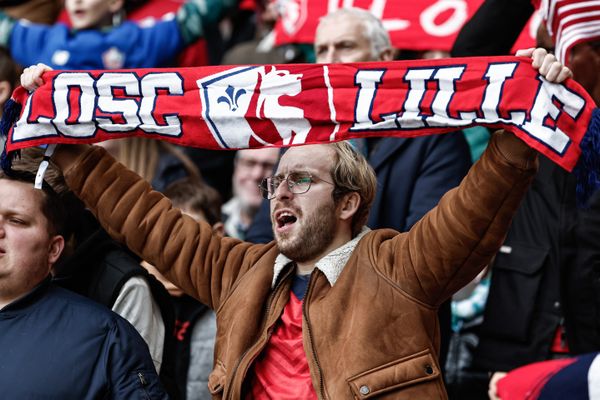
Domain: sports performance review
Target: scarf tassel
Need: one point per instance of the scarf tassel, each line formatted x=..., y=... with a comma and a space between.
x=12, y=110
x=587, y=170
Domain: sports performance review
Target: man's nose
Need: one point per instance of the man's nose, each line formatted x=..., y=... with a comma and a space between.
x=329, y=56
x=283, y=191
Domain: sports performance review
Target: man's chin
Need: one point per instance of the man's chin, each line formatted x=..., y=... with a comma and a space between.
x=286, y=245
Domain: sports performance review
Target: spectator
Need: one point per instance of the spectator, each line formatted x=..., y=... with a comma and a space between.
x=95, y=266
x=99, y=40
x=250, y=168
x=54, y=343
x=195, y=325
x=412, y=173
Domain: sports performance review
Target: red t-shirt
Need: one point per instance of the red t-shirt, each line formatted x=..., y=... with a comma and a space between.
x=281, y=371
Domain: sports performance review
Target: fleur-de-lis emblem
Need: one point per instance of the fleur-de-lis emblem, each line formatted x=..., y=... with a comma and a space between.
x=232, y=97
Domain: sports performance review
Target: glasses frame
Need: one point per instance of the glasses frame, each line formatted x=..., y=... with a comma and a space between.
x=290, y=185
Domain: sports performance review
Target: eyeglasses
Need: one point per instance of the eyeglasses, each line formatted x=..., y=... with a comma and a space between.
x=297, y=183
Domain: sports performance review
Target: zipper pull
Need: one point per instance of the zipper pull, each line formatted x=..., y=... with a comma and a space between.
x=142, y=378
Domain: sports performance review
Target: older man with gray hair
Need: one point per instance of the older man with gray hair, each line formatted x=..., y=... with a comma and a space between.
x=352, y=35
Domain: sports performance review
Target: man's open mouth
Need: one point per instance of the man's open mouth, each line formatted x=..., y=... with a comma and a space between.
x=284, y=219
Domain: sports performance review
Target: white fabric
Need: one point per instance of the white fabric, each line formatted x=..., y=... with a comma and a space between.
x=201, y=356
x=136, y=304
x=232, y=211
x=331, y=264
x=594, y=379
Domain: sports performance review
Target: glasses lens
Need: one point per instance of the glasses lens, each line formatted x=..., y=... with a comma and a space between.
x=299, y=182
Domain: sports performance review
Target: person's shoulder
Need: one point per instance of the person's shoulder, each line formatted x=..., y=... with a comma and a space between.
x=79, y=307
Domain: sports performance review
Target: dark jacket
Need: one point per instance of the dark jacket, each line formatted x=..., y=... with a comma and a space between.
x=58, y=345
x=546, y=274
x=412, y=176
x=99, y=268
x=493, y=29
x=375, y=331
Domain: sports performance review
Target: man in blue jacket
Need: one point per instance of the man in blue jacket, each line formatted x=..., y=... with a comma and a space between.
x=56, y=344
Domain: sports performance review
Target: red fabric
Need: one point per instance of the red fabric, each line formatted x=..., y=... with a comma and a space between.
x=281, y=371
x=249, y=5
x=571, y=22
x=559, y=344
x=525, y=383
x=225, y=107
x=413, y=25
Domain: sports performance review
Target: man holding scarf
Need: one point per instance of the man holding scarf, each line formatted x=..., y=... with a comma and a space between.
x=330, y=309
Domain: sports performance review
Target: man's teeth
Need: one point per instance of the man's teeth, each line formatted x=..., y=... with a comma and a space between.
x=285, y=218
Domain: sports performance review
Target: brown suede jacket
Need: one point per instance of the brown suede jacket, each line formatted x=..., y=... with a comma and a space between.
x=374, y=333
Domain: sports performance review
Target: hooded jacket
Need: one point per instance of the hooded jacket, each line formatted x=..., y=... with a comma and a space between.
x=374, y=331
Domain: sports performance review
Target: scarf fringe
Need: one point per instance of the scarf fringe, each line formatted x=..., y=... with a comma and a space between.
x=587, y=170
x=12, y=110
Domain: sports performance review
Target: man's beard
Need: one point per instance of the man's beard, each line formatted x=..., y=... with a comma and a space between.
x=314, y=236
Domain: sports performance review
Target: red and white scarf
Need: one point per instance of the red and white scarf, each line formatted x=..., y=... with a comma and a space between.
x=224, y=107
x=570, y=22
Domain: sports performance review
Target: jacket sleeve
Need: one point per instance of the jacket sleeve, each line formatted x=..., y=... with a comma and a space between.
x=129, y=367
x=26, y=40
x=455, y=240
x=493, y=29
x=185, y=251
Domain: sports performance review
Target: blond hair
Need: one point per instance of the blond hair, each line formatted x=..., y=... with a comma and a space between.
x=352, y=173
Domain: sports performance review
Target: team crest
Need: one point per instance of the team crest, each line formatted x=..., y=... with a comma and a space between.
x=294, y=13
x=233, y=98
x=113, y=58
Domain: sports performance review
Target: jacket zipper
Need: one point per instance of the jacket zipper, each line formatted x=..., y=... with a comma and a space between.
x=310, y=336
x=269, y=332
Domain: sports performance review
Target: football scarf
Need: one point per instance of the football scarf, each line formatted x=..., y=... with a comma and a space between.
x=224, y=107
x=570, y=22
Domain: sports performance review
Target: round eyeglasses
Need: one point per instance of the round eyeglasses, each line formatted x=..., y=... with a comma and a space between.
x=297, y=183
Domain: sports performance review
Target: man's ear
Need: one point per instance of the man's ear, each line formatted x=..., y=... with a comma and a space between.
x=348, y=205
x=55, y=248
x=387, y=54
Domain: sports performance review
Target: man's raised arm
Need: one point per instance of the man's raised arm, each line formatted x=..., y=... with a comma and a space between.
x=184, y=250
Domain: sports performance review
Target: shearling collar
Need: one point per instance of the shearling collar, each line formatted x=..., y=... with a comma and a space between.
x=331, y=264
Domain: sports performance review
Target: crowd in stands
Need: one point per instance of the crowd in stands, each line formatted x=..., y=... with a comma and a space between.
x=174, y=304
